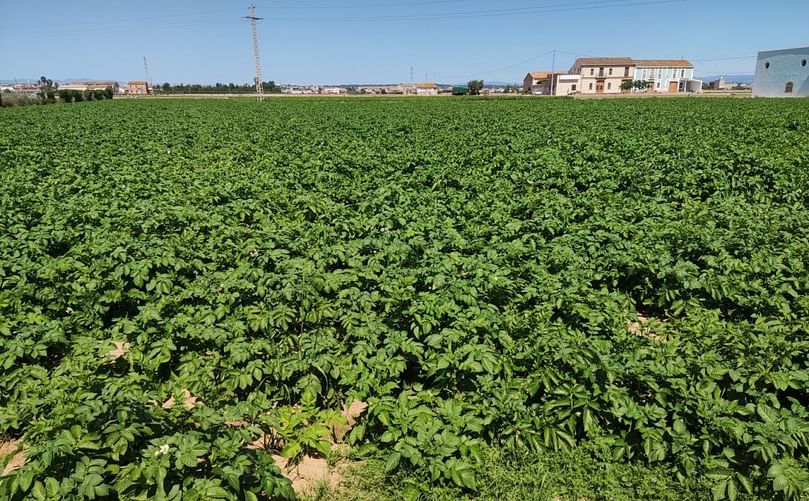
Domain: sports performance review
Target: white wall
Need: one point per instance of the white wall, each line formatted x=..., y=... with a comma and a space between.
x=788, y=65
x=663, y=76
x=567, y=85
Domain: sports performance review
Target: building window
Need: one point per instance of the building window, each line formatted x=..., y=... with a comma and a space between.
x=767, y=66
x=591, y=86
x=626, y=71
x=610, y=71
x=788, y=89
x=573, y=87
x=592, y=71
x=682, y=73
x=609, y=86
x=803, y=63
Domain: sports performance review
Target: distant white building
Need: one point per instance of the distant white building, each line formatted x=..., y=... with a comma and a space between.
x=719, y=84
x=92, y=85
x=427, y=89
x=782, y=73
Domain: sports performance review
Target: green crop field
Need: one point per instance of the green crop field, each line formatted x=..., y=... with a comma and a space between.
x=196, y=295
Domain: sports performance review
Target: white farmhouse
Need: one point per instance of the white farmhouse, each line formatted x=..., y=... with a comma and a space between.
x=782, y=73
x=613, y=75
x=667, y=75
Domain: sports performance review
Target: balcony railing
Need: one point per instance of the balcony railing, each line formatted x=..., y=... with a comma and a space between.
x=607, y=74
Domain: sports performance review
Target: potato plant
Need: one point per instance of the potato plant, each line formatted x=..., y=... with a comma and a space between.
x=179, y=279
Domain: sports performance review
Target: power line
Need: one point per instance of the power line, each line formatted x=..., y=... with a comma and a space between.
x=515, y=65
x=489, y=72
x=723, y=59
x=367, y=5
x=207, y=13
x=216, y=20
x=141, y=29
x=606, y=4
x=234, y=10
x=573, y=53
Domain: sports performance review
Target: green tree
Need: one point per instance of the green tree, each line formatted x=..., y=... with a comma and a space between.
x=47, y=89
x=627, y=85
x=641, y=84
x=474, y=87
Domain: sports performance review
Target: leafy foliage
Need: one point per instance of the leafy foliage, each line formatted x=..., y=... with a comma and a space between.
x=519, y=273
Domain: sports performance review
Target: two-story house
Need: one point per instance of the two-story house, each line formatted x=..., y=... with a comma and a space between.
x=139, y=88
x=665, y=75
x=537, y=82
x=603, y=75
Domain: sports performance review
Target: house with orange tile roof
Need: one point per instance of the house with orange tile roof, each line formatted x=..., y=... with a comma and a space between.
x=139, y=88
x=603, y=75
x=537, y=82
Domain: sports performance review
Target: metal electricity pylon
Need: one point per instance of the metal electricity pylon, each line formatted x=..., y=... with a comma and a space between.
x=148, y=76
x=251, y=15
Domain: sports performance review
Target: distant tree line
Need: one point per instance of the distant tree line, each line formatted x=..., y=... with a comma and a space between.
x=218, y=88
x=77, y=96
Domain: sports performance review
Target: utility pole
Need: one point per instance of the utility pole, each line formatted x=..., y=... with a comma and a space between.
x=251, y=15
x=553, y=70
x=411, y=75
x=148, y=76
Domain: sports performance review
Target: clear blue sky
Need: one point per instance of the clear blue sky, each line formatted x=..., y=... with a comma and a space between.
x=367, y=41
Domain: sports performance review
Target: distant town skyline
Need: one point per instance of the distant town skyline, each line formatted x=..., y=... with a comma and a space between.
x=359, y=41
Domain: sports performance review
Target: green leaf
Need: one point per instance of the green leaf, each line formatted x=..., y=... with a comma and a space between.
x=392, y=462
x=780, y=483
x=52, y=488
x=718, y=491
x=38, y=492
x=746, y=484
x=291, y=450
x=468, y=478
x=732, y=490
